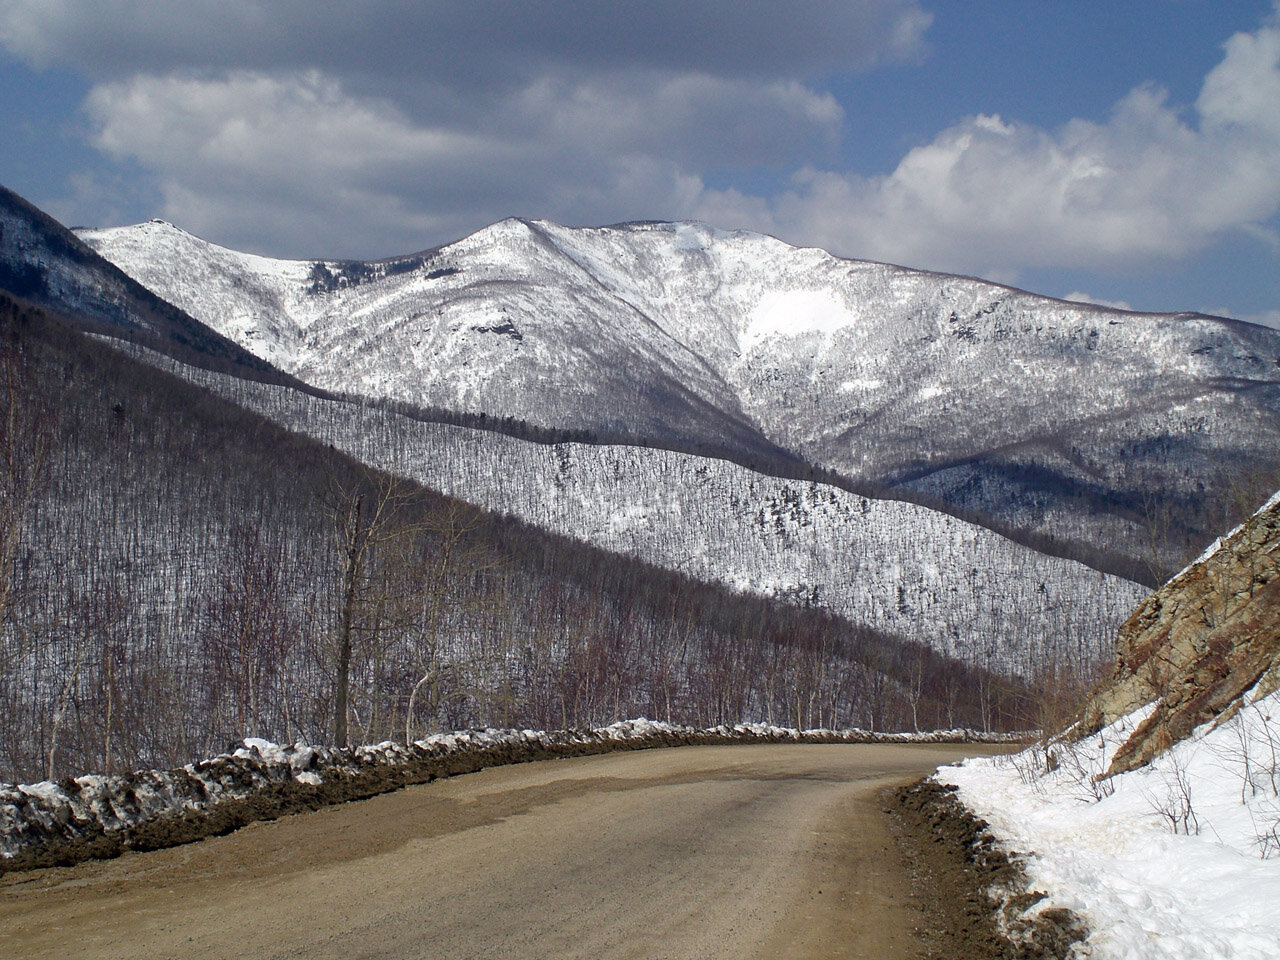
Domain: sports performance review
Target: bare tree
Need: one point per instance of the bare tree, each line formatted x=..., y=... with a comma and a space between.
x=26, y=437
x=449, y=558
x=367, y=517
x=248, y=629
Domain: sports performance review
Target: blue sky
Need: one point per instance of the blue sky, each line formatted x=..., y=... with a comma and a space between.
x=1127, y=150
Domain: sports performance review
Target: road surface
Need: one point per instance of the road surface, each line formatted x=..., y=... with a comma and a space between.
x=697, y=852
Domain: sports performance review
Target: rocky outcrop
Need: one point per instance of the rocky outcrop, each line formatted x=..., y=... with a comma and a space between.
x=1198, y=644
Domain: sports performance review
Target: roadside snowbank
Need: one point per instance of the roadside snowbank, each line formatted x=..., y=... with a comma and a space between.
x=74, y=819
x=1179, y=860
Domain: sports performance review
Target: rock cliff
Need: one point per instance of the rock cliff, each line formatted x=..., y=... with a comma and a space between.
x=1199, y=644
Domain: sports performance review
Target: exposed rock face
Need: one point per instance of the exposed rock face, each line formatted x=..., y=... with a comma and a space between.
x=1199, y=643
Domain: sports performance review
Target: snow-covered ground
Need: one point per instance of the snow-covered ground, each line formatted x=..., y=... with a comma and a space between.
x=1179, y=860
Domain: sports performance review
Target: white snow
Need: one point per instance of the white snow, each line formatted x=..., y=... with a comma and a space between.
x=848, y=386
x=1179, y=860
x=790, y=313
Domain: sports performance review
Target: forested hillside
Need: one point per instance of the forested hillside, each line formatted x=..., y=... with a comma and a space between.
x=178, y=572
x=921, y=574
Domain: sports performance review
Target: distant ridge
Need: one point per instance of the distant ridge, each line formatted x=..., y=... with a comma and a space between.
x=1076, y=424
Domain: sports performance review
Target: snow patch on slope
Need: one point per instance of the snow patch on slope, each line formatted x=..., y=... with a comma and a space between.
x=1179, y=860
x=256, y=301
x=790, y=313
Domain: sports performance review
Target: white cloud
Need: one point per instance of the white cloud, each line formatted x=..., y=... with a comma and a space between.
x=1077, y=297
x=262, y=123
x=991, y=193
x=290, y=158
x=1243, y=91
x=295, y=158
x=693, y=118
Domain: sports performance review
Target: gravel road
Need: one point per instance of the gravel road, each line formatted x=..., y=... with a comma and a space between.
x=700, y=852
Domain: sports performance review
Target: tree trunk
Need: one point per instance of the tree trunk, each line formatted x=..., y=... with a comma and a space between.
x=351, y=579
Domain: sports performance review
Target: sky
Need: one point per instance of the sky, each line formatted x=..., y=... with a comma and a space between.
x=1123, y=151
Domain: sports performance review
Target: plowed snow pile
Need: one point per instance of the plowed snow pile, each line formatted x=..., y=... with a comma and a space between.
x=1178, y=860
x=86, y=817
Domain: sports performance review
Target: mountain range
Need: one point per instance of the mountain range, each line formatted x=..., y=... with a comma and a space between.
x=965, y=466
x=1109, y=435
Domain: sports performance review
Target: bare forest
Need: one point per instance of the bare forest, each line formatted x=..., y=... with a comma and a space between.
x=177, y=573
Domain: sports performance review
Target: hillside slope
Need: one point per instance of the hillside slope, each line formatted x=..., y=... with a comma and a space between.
x=1200, y=646
x=1155, y=820
x=915, y=572
x=44, y=263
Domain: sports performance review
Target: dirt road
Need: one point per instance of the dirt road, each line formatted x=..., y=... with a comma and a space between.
x=699, y=852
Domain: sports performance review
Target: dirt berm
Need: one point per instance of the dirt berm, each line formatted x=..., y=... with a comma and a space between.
x=979, y=892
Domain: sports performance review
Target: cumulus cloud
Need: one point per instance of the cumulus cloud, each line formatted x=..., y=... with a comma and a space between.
x=292, y=158
x=991, y=193
x=236, y=153
x=269, y=124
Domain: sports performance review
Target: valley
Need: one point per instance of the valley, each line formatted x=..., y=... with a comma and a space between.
x=548, y=478
x=671, y=471
x=649, y=480
x=918, y=573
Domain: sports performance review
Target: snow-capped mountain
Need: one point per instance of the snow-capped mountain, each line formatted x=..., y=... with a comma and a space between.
x=897, y=567
x=1054, y=416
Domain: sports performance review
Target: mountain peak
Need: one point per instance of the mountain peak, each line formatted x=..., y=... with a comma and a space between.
x=677, y=333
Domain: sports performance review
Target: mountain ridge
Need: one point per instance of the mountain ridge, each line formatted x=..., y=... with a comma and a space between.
x=48, y=265
x=678, y=333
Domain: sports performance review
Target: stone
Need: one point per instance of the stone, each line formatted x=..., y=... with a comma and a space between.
x=1196, y=646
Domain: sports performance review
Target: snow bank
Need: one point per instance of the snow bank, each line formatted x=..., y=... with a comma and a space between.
x=78, y=818
x=1179, y=860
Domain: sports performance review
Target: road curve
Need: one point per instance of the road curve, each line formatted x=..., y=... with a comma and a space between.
x=698, y=852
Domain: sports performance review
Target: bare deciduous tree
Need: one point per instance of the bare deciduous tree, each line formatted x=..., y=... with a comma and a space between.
x=367, y=517
x=449, y=555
